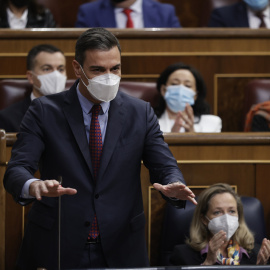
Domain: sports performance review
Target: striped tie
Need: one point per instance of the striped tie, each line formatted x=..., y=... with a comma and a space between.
x=95, y=144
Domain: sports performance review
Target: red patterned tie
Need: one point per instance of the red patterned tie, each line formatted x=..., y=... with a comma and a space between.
x=129, y=24
x=95, y=144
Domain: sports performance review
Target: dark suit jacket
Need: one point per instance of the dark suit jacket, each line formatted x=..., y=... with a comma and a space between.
x=52, y=134
x=259, y=124
x=230, y=16
x=185, y=255
x=34, y=20
x=11, y=117
x=101, y=14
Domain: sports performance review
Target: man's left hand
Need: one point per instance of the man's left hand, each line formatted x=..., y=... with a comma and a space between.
x=176, y=190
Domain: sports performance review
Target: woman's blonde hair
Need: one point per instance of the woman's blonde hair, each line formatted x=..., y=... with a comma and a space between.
x=199, y=233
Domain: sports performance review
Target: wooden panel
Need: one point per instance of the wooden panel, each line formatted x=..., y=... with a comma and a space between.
x=2, y=198
x=262, y=188
x=239, y=159
x=229, y=95
x=14, y=218
x=226, y=59
x=14, y=233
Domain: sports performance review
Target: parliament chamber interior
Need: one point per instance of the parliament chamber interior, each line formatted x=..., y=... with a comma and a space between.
x=232, y=61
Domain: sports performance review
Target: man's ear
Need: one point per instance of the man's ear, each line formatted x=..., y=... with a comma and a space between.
x=163, y=90
x=30, y=76
x=77, y=68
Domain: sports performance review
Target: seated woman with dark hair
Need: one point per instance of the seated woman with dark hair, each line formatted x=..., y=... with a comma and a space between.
x=219, y=234
x=182, y=106
x=20, y=14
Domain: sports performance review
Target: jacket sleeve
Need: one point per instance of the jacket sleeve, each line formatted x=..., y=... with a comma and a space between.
x=158, y=158
x=174, y=21
x=81, y=18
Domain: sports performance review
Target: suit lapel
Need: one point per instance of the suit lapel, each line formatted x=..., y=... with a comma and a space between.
x=149, y=18
x=73, y=112
x=113, y=131
x=107, y=17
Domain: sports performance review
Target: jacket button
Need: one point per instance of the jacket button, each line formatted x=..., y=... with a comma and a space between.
x=97, y=196
x=87, y=224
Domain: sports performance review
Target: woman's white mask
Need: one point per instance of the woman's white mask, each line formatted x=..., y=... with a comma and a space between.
x=227, y=223
x=103, y=87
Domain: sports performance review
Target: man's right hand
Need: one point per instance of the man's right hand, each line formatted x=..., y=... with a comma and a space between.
x=49, y=188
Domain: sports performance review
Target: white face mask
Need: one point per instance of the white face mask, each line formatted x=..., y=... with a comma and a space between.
x=227, y=223
x=51, y=83
x=103, y=87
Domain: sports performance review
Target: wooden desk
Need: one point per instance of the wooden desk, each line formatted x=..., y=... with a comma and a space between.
x=239, y=159
x=226, y=58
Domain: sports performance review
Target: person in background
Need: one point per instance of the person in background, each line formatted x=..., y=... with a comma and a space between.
x=95, y=137
x=182, y=106
x=127, y=14
x=46, y=71
x=20, y=14
x=258, y=118
x=246, y=13
x=219, y=234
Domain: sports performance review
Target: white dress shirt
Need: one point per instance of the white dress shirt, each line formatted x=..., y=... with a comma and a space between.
x=207, y=123
x=136, y=16
x=15, y=22
x=254, y=21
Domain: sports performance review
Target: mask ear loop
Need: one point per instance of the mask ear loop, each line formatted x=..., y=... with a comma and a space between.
x=36, y=75
x=84, y=76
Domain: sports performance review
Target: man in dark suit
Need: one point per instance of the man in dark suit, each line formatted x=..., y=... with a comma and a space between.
x=109, y=13
x=241, y=14
x=103, y=222
x=46, y=71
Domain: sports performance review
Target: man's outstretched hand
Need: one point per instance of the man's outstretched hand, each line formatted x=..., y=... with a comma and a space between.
x=176, y=190
x=49, y=188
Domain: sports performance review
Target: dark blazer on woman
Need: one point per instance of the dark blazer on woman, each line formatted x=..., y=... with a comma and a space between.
x=259, y=124
x=44, y=20
x=230, y=16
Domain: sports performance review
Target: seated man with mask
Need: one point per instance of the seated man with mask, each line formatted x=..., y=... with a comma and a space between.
x=246, y=13
x=46, y=71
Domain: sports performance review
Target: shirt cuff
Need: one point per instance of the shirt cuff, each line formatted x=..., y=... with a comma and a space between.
x=25, y=189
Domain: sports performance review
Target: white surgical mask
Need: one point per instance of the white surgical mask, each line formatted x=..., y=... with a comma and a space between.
x=51, y=83
x=227, y=223
x=103, y=87
x=177, y=96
